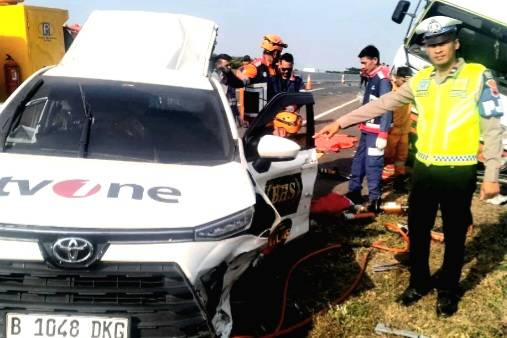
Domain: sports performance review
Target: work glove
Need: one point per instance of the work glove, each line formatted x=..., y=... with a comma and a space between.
x=380, y=143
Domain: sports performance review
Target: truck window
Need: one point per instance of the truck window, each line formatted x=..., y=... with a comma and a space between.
x=129, y=121
x=482, y=41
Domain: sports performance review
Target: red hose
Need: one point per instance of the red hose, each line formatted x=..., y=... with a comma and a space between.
x=278, y=331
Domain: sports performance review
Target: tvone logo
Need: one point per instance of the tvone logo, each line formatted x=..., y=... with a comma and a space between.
x=75, y=189
x=80, y=188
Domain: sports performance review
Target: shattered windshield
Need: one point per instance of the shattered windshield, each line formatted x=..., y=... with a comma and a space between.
x=482, y=41
x=122, y=121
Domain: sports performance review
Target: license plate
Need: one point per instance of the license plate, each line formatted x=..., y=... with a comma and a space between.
x=65, y=326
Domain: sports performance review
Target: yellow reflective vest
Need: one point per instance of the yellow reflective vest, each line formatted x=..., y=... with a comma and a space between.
x=448, y=126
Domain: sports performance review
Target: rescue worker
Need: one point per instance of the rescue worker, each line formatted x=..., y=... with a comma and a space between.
x=456, y=101
x=286, y=81
x=246, y=60
x=229, y=81
x=288, y=122
x=397, y=141
x=263, y=69
x=369, y=157
x=412, y=140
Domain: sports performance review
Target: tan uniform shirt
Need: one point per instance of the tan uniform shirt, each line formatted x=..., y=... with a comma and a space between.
x=491, y=128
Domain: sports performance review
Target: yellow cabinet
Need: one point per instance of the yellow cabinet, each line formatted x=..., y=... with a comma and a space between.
x=33, y=36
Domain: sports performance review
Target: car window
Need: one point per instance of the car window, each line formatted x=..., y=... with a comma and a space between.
x=129, y=121
x=288, y=115
x=482, y=41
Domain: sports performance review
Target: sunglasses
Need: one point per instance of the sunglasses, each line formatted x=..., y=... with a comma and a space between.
x=272, y=53
x=286, y=69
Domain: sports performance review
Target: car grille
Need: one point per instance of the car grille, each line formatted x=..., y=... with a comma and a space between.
x=157, y=297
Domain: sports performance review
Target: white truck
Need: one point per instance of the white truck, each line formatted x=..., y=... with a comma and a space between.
x=483, y=35
x=129, y=202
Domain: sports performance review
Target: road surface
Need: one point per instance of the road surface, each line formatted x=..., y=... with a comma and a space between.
x=332, y=100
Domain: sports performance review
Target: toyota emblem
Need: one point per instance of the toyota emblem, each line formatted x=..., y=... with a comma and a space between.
x=72, y=250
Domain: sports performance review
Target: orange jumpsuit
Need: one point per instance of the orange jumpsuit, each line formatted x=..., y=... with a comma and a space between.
x=397, y=141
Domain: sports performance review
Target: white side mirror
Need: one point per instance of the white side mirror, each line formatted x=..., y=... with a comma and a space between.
x=277, y=148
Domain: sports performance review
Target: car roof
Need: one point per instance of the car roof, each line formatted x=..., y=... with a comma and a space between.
x=166, y=77
x=140, y=46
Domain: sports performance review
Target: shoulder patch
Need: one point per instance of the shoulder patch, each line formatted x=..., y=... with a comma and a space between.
x=491, y=83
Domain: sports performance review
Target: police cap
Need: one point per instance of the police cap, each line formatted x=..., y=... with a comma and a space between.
x=438, y=29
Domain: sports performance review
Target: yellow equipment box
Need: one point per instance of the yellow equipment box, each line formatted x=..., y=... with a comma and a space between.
x=33, y=36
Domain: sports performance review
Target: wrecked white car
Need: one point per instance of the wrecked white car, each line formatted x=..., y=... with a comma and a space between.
x=129, y=202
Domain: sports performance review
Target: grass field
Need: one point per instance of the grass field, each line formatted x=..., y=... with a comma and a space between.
x=482, y=310
x=319, y=282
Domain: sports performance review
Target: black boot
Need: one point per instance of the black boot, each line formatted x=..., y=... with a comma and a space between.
x=412, y=295
x=447, y=303
x=355, y=197
x=374, y=206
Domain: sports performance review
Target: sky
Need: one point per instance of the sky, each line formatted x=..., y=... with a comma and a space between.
x=325, y=34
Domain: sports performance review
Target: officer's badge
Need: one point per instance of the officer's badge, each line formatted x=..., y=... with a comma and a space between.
x=423, y=85
x=434, y=27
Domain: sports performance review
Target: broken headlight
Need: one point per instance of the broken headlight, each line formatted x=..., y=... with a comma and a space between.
x=225, y=227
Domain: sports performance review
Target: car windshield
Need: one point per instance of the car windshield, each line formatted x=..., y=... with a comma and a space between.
x=482, y=41
x=122, y=121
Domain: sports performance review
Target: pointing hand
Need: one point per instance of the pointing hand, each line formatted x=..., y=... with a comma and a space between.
x=329, y=130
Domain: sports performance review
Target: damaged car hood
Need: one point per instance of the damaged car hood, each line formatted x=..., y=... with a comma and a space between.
x=88, y=193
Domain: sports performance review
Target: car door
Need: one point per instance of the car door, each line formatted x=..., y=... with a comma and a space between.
x=289, y=184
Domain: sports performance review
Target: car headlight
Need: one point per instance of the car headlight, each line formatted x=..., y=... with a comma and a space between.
x=225, y=227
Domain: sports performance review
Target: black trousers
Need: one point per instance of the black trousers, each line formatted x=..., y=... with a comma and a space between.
x=449, y=188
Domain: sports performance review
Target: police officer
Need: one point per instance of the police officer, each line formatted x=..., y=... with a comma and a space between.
x=456, y=101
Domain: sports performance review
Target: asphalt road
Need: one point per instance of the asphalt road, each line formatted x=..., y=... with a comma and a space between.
x=332, y=100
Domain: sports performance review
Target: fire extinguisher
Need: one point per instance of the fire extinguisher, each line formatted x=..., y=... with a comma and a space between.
x=12, y=75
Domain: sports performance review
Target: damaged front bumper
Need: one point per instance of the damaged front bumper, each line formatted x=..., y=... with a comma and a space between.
x=175, y=289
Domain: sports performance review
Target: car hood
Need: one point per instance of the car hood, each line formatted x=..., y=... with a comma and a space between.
x=141, y=41
x=88, y=193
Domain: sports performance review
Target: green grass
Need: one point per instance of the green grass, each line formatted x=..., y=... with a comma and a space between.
x=482, y=310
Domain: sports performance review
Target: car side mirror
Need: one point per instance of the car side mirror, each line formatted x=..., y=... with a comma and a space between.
x=400, y=11
x=274, y=149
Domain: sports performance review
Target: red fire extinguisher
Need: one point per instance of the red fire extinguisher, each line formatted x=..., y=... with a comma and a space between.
x=12, y=75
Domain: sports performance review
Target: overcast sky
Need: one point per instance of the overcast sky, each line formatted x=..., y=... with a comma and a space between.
x=325, y=34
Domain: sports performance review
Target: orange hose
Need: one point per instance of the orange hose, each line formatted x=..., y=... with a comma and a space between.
x=396, y=229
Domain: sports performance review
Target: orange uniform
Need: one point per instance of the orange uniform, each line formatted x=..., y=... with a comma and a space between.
x=397, y=141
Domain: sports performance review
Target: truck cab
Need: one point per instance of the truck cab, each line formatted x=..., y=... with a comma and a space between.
x=483, y=36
